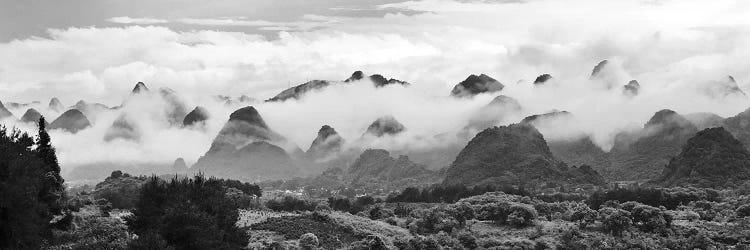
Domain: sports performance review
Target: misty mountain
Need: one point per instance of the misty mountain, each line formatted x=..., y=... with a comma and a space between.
x=476, y=84
x=246, y=148
x=704, y=120
x=176, y=109
x=72, y=121
x=712, y=158
x=640, y=155
x=228, y=100
x=542, y=118
x=328, y=143
x=386, y=125
x=597, y=71
x=56, y=105
x=179, y=166
x=739, y=126
x=91, y=110
x=631, y=89
x=381, y=81
x=494, y=112
x=298, y=91
x=139, y=88
x=4, y=112
x=31, y=116
x=15, y=105
x=375, y=166
x=197, y=117
x=576, y=151
x=514, y=154
x=256, y=161
x=723, y=88
x=124, y=127
x=541, y=79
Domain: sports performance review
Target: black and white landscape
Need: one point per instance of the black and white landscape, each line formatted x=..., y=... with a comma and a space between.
x=388, y=124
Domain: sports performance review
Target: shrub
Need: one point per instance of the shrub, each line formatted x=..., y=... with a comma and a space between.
x=308, y=241
x=93, y=232
x=462, y=212
x=379, y=212
x=322, y=207
x=468, y=241
x=371, y=242
x=290, y=204
x=188, y=213
x=743, y=211
x=433, y=220
x=445, y=241
x=584, y=216
x=330, y=234
x=651, y=219
x=615, y=220
x=149, y=240
x=496, y=212
x=522, y=215
x=692, y=216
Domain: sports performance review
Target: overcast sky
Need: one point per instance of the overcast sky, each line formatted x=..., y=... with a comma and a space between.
x=98, y=49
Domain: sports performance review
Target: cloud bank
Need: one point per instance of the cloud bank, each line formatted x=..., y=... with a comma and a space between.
x=675, y=49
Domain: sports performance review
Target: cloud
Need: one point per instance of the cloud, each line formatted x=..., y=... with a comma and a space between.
x=136, y=20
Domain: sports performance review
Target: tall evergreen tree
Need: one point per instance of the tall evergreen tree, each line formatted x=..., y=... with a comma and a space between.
x=52, y=190
x=24, y=218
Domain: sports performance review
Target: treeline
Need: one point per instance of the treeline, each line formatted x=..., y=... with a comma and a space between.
x=197, y=213
x=667, y=197
x=449, y=194
x=31, y=188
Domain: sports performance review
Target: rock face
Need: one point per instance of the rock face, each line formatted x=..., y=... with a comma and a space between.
x=377, y=165
x=197, y=117
x=326, y=144
x=56, y=105
x=541, y=79
x=631, y=89
x=641, y=155
x=123, y=128
x=494, y=112
x=71, y=121
x=476, y=84
x=4, y=112
x=712, y=158
x=31, y=116
x=515, y=154
x=598, y=69
x=386, y=125
x=246, y=148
